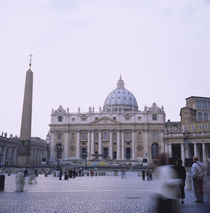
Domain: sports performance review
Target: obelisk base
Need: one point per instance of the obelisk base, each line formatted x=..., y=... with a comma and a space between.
x=24, y=152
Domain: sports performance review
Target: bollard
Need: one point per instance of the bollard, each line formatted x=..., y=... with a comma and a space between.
x=2, y=180
x=188, y=182
x=20, y=182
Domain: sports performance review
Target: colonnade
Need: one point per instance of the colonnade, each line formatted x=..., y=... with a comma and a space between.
x=8, y=156
x=185, y=152
x=90, y=145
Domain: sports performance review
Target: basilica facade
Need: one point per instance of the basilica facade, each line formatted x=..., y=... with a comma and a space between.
x=118, y=131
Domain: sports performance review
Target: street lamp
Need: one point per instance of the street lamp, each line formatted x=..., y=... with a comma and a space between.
x=84, y=156
x=59, y=149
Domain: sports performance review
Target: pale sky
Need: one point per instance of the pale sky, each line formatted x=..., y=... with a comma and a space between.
x=160, y=47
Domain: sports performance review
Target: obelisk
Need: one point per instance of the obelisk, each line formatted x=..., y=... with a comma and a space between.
x=25, y=132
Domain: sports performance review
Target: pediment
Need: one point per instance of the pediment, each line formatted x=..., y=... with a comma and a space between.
x=105, y=120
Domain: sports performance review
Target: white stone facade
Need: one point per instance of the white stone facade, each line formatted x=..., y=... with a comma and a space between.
x=120, y=131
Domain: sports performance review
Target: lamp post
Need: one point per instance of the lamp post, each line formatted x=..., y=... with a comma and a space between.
x=84, y=156
x=59, y=149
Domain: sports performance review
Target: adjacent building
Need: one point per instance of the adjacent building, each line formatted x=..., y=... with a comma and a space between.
x=10, y=150
x=191, y=136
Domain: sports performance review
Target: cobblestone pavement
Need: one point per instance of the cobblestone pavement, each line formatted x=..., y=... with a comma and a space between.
x=101, y=194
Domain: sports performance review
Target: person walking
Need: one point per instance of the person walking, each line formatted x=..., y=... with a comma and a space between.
x=198, y=172
x=181, y=174
x=167, y=187
x=143, y=175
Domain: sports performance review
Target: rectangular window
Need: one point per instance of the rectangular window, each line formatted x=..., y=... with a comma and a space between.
x=127, y=135
x=139, y=118
x=155, y=135
x=154, y=117
x=84, y=135
x=73, y=119
x=59, y=136
x=205, y=126
x=105, y=135
x=193, y=127
x=96, y=135
x=200, y=126
x=114, y=135
x=96, y=118
x=198, y=104
x=204, y=105
x=114, y=118
x=83, y=119
x=60, y=118
x=127, y=118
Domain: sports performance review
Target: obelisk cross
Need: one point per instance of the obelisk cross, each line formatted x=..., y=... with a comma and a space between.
x=30, y=60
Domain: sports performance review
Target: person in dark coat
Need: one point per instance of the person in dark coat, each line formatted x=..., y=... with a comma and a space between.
x=143, y=175
x=60, y=174
x=66, y=174
x=181, y=174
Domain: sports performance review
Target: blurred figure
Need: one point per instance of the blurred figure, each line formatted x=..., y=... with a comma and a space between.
x=198, y=172
x=91, y=173
x=150, y=175
x=167, y=187
x=66, y=174
x=32, y=177
x=60, y=173
x=143, y=175
x=20, y=182
x=147, y=174
x=181, y=174
x=123, y=175
x=25, y=172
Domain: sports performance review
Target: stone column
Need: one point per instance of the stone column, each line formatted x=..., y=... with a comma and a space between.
x=195, y=150
x=99, y=143
x=187, y=151
x=88, y=146
x=133, y=145
x=10, y=155
x=123, y=146
x=66, y=145
x=204, y=154
x=170, y=150
x=92, y=144
x=110, y=146
x=78, y=146
x=145, y=144
x=118, y=145
x=15, y=157
x=4, y=155
x=182, y=154
x=52, y=145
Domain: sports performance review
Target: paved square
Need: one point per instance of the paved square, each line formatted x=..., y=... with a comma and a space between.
x=88, y=194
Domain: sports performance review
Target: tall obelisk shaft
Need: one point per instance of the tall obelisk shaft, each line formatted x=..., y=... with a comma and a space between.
x=25, y=132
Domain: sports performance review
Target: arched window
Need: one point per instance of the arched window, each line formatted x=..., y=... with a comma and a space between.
x=199, y=116
x=205, y=117
x=155, y=150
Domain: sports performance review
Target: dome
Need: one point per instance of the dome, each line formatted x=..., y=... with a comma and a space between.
x=120, y=99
